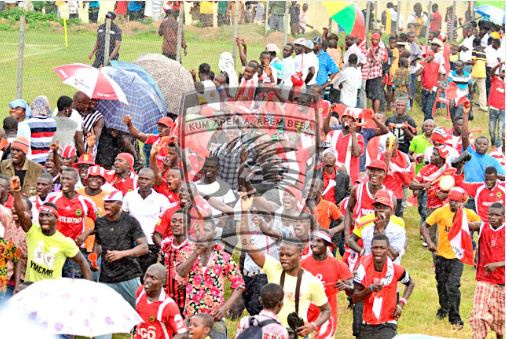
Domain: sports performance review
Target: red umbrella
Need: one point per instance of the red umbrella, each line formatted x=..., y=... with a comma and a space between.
x=92, y=81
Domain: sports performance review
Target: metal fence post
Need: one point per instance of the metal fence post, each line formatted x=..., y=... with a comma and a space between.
x=286, y=23
x=107, y=42
x=398, y=10
x=179, y=38
x=235, y=30
x=266, y=18
x=21, y=47
x=429, y=19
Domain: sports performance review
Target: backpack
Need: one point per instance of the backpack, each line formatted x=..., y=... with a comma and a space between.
x=254, y=330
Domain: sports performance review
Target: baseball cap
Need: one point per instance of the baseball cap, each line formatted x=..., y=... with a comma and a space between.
x=271, y=47
x=376, y=163
x=309, y=44
x=299, y=41
x=111, y=15
x=438, y=42
x=317, y=40
x=166, y=121
x=85, y=159
x=383, y=197
x=114, y=196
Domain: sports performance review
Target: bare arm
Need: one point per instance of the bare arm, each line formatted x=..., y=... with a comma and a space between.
x=349, y=213
x=127, y=120
x=326, y=128
x=356, y=151
x=382, y=129
x=83, y=264
x=352, y=243
x=427, y=238
x=184, y=268
x=154, y=166
x=465, y=132
x=114, y=53
x=257, y=256
x=97, y=128
x=78, y=140
x=242, y=50
x=95, y=48
x=23, y=215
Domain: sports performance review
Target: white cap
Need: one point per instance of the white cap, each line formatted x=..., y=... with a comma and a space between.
x=299, y=41
x=272, y=48
x=114, y=196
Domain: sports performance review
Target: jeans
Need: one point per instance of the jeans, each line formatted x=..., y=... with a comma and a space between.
x=448, y=275
x=413, y=82
x=252, y=293
x=428, y=99
x=421, y=204
x=496, y=121
x=127, y=289
x=380, y=331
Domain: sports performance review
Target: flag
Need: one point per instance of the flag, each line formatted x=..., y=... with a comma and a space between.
x=460, y=239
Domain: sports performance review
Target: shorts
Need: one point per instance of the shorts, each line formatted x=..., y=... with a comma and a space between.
x=374, y=89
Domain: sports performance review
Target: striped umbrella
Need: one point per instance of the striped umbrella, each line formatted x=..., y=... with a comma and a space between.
x=348, y=16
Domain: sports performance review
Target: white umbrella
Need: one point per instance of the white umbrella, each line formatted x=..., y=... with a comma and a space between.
x=75, y=307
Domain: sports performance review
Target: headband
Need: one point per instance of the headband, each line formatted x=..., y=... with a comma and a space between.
x=49, y=209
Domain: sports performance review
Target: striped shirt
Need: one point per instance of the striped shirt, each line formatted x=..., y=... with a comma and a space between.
x=89, y=122
x=42, y=130
x=462, y=82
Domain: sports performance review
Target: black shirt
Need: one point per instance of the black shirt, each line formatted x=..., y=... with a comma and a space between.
x=118, y=235
x=403, y=140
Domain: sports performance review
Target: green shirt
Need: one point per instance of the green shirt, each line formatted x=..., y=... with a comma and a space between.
x=418, y=145
x=47, y=254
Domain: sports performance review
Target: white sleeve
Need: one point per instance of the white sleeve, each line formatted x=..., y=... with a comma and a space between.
x=78, y=119
x=125, y=205
x=360, y=274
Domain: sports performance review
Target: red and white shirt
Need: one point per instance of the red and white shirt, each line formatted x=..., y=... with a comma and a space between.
x=153, y=139
x=72, y=213
x=364, y=200
x=122, y=185
x=431, y=174
x=498, y=155
x=497, y=94
x=491, y=249
x=161, y=318
x=400, y=173
x=343, y=145
x=379, y=306
x=485, y=197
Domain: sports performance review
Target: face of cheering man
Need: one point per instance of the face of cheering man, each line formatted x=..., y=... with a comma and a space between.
x=376, y=176
x=496, y=216
x=379, y=249
x=289, y=256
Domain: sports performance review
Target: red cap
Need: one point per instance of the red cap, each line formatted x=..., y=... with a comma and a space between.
x=166, y=121
x=383, y=197
x=377, y=164
x=86, y=159
x=375, y=36
x=128, y=158
x=429, y=52
x=69, y=151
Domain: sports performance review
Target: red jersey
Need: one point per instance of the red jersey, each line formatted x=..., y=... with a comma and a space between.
x=431, y=173
x=164, y=189
x=343, y=145
x=484, y=197
x=497, y=93
x=378, y=307
x=153, y=140
x=491, y=249
x=72, y=213
x=364, y=200
x=161, y=318
x=173, y=256
x=163, y=226
x=498, y=155
x=122, y=185
x=429, y=75
x=400, y=173
x=329, y=272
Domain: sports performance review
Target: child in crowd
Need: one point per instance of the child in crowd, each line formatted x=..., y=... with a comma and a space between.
x=200, y=326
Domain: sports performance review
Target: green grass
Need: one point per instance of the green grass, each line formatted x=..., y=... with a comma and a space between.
x=45, y=50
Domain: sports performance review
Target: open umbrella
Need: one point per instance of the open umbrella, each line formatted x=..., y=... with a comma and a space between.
x=491, y=13
x=348, y=16
x=75, y=307
x=172, y=78
x=145, y=107
x=91, y=81
x=130, y=67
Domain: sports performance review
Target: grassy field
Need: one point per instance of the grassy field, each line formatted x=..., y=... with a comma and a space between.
x=45, y=50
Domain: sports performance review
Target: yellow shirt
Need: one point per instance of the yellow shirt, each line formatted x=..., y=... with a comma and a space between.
x=47, y=254
x=311, y=292
x=207, y=7
x=396, y=60
x=442, y=217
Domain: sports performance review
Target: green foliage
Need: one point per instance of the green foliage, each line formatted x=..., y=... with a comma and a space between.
x=34, y=19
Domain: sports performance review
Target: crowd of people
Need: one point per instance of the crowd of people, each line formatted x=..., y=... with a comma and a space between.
x=291, y=168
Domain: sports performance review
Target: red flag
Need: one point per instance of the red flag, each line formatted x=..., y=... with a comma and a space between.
x=460, y=239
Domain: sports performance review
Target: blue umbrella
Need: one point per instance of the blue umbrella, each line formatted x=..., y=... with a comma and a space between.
x=145, y=106
x=127, y=66
x=491, y=13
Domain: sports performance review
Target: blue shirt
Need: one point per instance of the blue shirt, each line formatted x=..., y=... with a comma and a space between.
x=474, y=169
x=326, y=66
x=135, y=6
